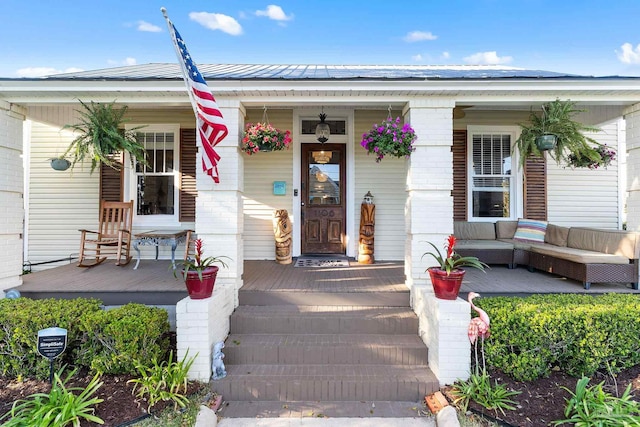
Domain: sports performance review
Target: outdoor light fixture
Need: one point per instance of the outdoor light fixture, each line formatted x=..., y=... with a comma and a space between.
x=321, y=157
x=322, y=129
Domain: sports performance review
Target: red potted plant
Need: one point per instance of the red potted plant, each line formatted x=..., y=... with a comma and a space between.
x=447, y=276
x=199, y=273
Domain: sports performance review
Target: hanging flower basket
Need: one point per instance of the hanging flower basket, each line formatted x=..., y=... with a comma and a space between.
x=593, y=158
x=389, y=139
x=264, y=137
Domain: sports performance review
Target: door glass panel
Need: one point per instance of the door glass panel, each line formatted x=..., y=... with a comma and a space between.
x=324, y=177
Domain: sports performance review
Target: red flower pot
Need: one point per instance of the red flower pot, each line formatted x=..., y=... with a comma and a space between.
x=446, y=287
x=201, y=289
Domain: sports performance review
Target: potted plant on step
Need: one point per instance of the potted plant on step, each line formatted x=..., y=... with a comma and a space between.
x=447, y=276
x=555, y=130
x=199, y=273
x=100, y=136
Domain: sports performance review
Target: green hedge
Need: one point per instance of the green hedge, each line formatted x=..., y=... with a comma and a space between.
x=579, y=334
x=104, y=341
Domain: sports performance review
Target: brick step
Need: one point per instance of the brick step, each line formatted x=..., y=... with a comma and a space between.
x=312, y=298
x=329, y=349
x=358, y=411
x=287, y=383
x=285, y=319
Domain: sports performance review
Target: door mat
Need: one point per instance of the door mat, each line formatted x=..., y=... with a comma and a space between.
x=321, y=262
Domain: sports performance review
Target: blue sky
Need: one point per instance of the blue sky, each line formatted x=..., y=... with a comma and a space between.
x=573, y=36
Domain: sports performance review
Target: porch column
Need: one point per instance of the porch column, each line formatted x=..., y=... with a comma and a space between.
x=219, y=223
x=429, y=218
x=632, y=117
x=11, y=192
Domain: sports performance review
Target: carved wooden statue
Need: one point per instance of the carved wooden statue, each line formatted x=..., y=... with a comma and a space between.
x=282, y=232
x=367, y=229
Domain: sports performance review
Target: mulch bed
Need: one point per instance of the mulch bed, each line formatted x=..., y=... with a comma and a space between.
x=543, y=401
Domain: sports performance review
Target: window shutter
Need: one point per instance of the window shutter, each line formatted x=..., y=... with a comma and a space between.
x=188, y=191
x=111, y=182
x=459, y=193
x=535, y=189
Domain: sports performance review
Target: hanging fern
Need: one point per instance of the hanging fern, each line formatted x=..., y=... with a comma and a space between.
x=557, y=119
x=100, y=137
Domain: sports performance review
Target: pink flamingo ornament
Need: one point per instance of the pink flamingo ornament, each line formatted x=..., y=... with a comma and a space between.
x=479, y=326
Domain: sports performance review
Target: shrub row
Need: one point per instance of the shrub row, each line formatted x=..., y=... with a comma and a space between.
x=579, y=334
x=104, y=341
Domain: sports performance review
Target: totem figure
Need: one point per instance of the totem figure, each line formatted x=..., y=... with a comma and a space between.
x=367, y=229
x=282, y=232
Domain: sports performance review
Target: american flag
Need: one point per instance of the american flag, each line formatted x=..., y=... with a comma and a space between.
x=210, y=124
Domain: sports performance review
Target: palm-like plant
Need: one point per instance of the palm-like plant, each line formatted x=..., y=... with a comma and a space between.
x=100, y=136
x=557, y=118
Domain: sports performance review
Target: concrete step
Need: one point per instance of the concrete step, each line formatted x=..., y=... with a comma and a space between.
x=329, y=349
x=287, y=383
x=312, y=298
x=316, y=409
x=290, y=319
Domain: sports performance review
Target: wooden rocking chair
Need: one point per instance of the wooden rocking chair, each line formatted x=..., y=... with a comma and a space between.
x=112, y=238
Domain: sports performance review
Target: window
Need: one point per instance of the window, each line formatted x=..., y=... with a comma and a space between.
x=155, y=184
x=492, y=177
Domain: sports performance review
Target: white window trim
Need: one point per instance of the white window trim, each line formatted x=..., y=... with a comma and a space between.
x=517, y=181
x=130, y=181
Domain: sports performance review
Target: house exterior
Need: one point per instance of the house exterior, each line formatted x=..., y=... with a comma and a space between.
x=463, y=116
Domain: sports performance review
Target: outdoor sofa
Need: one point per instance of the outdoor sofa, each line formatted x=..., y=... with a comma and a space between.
x=589, y=255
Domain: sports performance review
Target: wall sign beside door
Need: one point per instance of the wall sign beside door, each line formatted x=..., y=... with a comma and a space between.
x=279, y=188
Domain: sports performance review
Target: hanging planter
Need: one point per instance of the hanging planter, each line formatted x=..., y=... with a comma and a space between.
x=60, y=164
x=555, y=131
x=389, y=139
x=546, y=142
x=264, y=137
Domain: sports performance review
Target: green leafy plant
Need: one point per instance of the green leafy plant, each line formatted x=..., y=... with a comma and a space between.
x=453, y=260
x=592, y=406
x=100, y=136
x=199, y=262
x=263, y=136
x=165, y=381
x=59, y=408
x=556, y=118
x=389, y=139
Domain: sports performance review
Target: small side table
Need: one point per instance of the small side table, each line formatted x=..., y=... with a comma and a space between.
x=157, y=238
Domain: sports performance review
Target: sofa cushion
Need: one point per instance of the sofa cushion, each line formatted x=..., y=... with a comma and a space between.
x=579, y=255
x=464, y=230
x=483, y=244
x=556, y=235
x=530, y=230
x=616, y=242
x=506, y=229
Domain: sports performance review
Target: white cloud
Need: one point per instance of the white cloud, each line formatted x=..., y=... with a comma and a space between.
x=147, y=27
x=217, y=21
x=487, y=58
x=274, y=12
x=629, y=55
x=126, y=61
x=44, y=71
x=130, y=61
x=419, y=36
x=417, y=58
x=446, y=55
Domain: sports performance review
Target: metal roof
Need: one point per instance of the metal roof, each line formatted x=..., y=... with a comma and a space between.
x=160, y=71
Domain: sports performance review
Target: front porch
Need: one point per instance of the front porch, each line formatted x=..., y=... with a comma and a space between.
x=153, y=282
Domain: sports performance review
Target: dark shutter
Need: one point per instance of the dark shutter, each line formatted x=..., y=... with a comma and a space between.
x=111, y=182
x=188, y=190
x=535, y=189
x=459, y=193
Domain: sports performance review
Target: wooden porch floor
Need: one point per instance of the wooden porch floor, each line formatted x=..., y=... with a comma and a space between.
x=153, y=282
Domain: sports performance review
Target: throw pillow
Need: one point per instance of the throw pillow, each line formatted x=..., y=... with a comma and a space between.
x=530, y=230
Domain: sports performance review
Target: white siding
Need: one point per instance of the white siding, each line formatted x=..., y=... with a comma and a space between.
x=387, y=182
x=60, y=202
x=260, y=170
x=584, y=197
